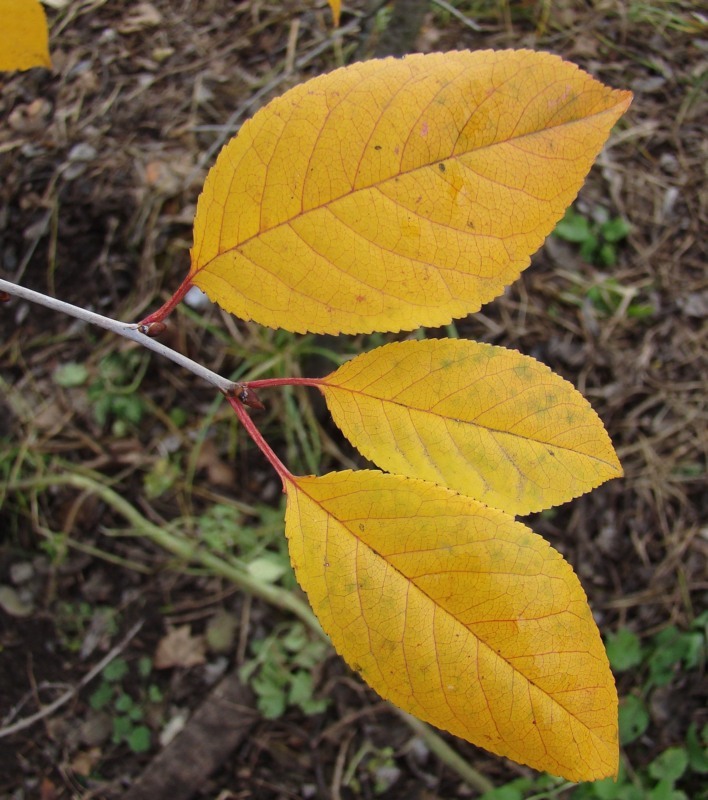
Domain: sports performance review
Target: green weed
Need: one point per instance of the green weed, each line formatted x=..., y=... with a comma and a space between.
x=376, y=765
x=127, y=713
x=73, y=620
x=255, y=540
x=71, y=375
x=668, y=654
x=667, y=16
x=608, y=297
x=665, y=655
x=280, y=672
x=114, y=392
x=597, y=237
x=656, y=782
x=164, y=474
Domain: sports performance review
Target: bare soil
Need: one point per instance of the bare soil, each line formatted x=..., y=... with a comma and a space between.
x=102, y=160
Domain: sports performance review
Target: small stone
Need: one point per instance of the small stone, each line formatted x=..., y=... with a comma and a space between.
x=173, y=727
x=82, y=152
x=221, y=632
x=13, y=604
x=21, y=572
x=196, y=299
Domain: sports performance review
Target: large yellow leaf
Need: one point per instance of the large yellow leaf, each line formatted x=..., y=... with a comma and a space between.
x=397, y=193
x=24, y=41
x=459, y=615
x=486, y=421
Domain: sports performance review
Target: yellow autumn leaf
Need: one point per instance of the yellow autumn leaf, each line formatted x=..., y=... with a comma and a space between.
x=399, y=192
x=459, y=615
x=336, y=6
x=24, y=41
x=483, y=420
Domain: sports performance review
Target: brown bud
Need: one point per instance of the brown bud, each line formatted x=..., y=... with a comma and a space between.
x=152, y=328
x=4, y=297
x=250, y=399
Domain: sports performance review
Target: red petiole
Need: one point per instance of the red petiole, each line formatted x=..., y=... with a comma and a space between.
x=144, y=326
x=257, y=436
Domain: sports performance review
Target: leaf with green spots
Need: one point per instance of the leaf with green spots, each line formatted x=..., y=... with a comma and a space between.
x=458, y=614
x=485, y=421
x=24, y=38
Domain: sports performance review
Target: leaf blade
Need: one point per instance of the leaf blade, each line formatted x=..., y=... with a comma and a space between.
x=395, y=193
x=459, y=615
x=485, y=421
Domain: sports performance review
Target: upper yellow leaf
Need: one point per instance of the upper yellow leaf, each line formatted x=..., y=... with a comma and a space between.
x=459, y=615
x=397, y=193
x=24, y=41
x=336, y=6
x=486, y=421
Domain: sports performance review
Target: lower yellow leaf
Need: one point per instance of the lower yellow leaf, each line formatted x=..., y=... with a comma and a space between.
x=459, y=615
x=23, y=35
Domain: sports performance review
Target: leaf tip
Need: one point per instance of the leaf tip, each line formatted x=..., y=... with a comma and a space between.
x=336, y=6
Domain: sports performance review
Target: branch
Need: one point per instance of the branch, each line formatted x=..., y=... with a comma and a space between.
x=458, y=15
x=447, y=754
x=188, y=551
x=127, y=331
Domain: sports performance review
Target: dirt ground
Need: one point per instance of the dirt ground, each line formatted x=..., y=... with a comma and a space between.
x=102, y=160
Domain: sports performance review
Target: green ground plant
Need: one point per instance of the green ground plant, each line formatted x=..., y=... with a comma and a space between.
x=375, y=765
x=74, y=619
x=657, y=663
x=598, y=235
x=254, y=540
x=128, y=712
x=607, y=297
x=114, y=393
x=280, y=671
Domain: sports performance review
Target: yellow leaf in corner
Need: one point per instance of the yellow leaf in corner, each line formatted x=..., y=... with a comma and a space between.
x=24, y=41
x=459, y=615
x=486, y=421
x=396, y=193
x=336, y=6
